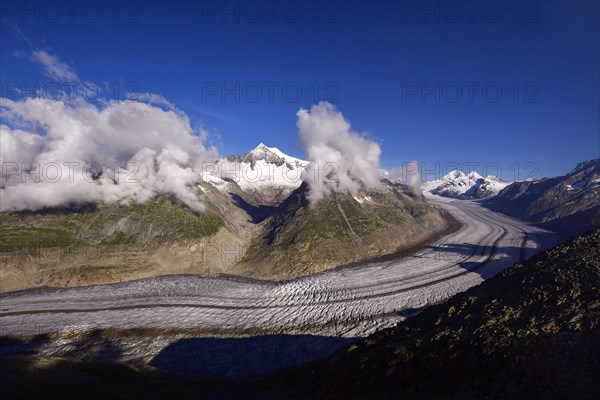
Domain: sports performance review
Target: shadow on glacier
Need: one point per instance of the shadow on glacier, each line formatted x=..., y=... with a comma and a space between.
x=461, y=252
x=205, y=359
x=243, y=358
x=12, y=345
x=93, y=346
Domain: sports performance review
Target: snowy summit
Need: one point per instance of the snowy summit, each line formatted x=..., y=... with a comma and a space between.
x=457, y=184
x=268, y=166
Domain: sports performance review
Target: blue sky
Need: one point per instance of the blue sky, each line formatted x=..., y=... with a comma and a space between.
x=420, y=78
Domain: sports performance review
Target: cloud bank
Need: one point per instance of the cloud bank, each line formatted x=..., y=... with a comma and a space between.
x=340, y=157
x=56, y=153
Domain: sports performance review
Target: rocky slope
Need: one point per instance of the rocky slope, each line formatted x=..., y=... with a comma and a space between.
x=569, y=203
x=341, y=229
x=103, y=244
x=457, y=184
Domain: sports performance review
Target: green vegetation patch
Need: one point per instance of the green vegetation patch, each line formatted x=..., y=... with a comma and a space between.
x=17, y=238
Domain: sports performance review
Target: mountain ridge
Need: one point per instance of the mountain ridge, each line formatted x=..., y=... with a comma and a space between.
x=569, y=203
x=343, y=228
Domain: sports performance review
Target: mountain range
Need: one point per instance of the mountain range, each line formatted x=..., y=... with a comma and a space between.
x=568, y=204
x=258, y=223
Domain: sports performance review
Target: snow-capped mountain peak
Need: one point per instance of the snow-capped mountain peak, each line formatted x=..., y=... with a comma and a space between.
x=456, y=174
x=459, y=175
x=271, y=155
x=457, y=184
x=264, y=173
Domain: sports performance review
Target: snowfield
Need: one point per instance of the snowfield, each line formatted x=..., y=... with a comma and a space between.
x=349, y=302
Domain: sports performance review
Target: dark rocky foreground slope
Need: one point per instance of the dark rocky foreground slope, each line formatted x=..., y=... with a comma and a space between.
x=568, y=204
x=531, y=332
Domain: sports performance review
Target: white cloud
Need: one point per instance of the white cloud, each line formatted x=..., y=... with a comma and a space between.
x=155, y=99
x=53, y=67
x=408, y=174
x=413, y=177
x=142, y=150
x=341, y=157
x=19, y=142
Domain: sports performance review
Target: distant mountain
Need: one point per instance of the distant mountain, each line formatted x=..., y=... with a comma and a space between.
x=269, y=155
x=568, y=203
x=457, y=184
